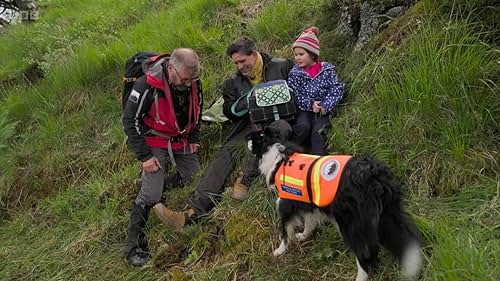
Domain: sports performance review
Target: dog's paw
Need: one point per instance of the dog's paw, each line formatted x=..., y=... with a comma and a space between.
x=301, y=236
x=280, y=250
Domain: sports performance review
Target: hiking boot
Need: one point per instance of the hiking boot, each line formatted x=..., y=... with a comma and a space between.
x=138, y=258
x=240, y=190
x=176, y=220
x=136, y=250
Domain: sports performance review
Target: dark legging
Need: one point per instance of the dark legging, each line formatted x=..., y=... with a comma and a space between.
x=311, y=128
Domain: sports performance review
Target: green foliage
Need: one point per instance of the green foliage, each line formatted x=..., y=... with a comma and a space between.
x=7, y=130
x=437, y=93
x=270, y=25
x=457, y=254
x=426, y=103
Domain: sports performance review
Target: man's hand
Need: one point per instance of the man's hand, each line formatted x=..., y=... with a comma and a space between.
x=193, y=147
x=316, y=106
x=151, y=165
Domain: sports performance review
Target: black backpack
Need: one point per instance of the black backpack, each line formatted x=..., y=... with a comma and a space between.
x=135, y=68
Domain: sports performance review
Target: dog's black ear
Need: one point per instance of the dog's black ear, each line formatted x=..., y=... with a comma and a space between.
x=254, y=135
x=270, y=136
x=268, y=132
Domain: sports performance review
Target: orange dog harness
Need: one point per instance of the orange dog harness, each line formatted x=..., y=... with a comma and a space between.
x=310, y=178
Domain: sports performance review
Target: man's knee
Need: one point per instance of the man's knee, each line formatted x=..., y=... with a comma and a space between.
x=151, y=188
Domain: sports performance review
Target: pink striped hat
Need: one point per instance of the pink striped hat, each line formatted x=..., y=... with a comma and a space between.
x=308, y=40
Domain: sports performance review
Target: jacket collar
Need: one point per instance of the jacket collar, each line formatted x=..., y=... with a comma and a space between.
x=155, y=74
x=324, y=66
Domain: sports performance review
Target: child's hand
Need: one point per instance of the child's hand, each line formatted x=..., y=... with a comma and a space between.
x=316, y=106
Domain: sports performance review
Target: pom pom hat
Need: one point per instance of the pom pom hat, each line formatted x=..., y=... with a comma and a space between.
x=308, y=40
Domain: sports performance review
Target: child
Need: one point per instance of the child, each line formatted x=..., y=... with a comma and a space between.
x=317, y=90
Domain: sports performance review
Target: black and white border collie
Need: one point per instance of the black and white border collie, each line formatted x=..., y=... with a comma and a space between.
x=367, y=208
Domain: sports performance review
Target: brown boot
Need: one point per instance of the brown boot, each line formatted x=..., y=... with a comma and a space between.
x=240, y=190
x=176, y=220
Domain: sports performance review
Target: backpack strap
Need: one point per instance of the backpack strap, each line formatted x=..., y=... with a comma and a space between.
x=169, y=146
x=244, y=111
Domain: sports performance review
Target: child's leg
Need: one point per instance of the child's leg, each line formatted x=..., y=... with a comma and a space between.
x=319, y=133
x=302, y=127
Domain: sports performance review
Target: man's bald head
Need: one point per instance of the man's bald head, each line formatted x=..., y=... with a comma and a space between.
x=186, y=60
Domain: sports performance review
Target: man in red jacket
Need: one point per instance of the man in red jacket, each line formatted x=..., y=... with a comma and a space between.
x=161, y=119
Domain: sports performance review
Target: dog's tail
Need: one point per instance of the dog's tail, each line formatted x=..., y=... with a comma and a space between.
x=396, y=231
x=399, y=235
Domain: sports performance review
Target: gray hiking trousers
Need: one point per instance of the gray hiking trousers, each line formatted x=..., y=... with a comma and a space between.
x=188, y=165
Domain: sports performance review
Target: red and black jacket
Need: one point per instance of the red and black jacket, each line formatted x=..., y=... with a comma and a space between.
x=153, y=110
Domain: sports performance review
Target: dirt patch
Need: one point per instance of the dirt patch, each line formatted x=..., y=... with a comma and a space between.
x=215, y=236
x=171, y=255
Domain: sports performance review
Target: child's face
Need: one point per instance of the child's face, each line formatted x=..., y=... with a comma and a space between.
x=302, y=57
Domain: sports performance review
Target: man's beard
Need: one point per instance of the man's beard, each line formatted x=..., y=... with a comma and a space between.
x=181, y=88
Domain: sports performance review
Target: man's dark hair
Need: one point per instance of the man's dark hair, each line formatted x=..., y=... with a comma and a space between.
x=244, y=45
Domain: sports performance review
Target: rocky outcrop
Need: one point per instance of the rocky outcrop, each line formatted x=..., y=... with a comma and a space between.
x=357, y=21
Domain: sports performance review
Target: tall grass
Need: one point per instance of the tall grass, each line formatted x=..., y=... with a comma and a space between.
x=427, y=107
x=437, y=95
x=63, y=26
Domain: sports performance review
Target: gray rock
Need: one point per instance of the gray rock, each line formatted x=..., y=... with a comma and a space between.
x=394, y=11
x=369, y=25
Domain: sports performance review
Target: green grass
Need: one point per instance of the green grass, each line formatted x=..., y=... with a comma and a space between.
x=426, y=103
x=436, y=95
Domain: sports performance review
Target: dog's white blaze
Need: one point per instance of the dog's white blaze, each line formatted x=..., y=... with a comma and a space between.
x=362, y=275
x=269, y=161
x=412, y=261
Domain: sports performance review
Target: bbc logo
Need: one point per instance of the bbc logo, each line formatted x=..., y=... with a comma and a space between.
x=30, y=14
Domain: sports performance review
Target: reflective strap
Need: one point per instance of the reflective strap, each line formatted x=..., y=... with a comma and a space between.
x=292, y=180
x=309, y=178
x=157, y=118
x=316, y=184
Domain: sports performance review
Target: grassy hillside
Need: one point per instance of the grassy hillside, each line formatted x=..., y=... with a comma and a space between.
x=423, y=97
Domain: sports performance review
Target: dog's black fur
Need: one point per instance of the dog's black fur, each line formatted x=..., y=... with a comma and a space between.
x=367, y=208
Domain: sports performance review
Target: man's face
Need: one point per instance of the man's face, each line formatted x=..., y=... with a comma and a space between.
x=180, y=79
x=244, y=63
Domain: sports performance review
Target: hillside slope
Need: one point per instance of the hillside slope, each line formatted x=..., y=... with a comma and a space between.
x=422, y=95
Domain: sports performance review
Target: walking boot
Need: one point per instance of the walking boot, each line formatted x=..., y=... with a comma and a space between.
x=176, y=220
x=240, y=189
x=137, y=250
